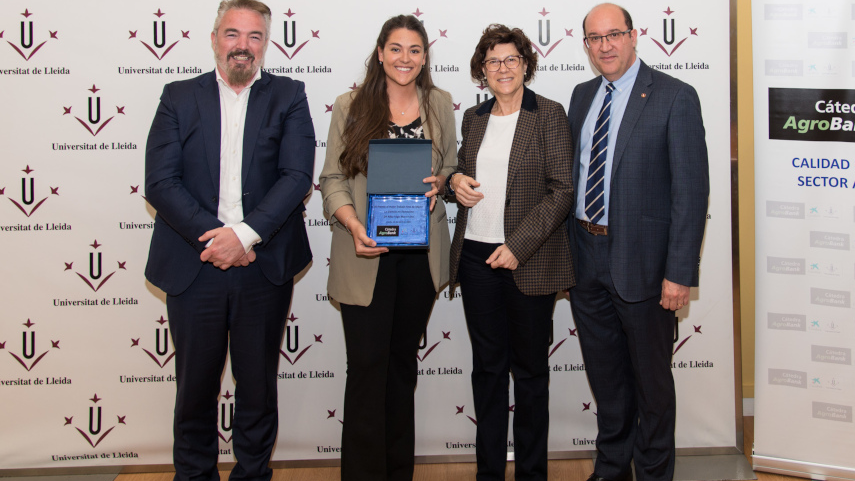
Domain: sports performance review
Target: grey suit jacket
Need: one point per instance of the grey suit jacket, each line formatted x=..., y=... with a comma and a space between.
x=659, y=188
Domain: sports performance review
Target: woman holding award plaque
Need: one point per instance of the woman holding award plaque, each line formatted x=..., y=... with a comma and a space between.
x=510, y=251
x=386, y=295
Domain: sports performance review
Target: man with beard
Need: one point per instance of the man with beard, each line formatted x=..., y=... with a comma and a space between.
x=228, y=162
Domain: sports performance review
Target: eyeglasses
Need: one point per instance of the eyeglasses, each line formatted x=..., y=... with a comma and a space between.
x=594, y=40
x=512, y=62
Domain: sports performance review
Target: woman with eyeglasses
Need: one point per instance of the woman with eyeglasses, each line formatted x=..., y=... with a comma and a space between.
x=510, y=251
x=385, y=296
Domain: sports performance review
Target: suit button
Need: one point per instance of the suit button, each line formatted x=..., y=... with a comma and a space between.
x=507, y=202
x=214, y=199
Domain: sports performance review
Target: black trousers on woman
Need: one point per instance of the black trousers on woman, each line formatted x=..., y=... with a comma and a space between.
x=382, y=339
x=510, y=333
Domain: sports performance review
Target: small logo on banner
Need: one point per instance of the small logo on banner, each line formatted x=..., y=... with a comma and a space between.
x=93, y=123
x=291, y=343
x=544, y=44
x=159, y=45
x=28, y=44
x=832, y=412
x=788, y=377
x=830, y=240
x=226, y=418
x=786, y=322
x=789, y=11
x=831, y=298
x=29, y=202
x=672, y=37
x=826, y=40
x=785, y=265
x=95, y=277
x=161, y=355
x=96, y=429
x=31, y=352
x=785, y=210
x=290, y=30
x=784, y=68
x=831, y=354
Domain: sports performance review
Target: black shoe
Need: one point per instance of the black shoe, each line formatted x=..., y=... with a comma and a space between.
x=595, y=477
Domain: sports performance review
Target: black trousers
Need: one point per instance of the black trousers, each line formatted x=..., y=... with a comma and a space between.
x=627, y=351
x=382, y=339
x=237, y=311
x=510, y=333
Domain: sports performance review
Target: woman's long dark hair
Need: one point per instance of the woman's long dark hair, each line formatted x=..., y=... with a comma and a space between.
x=368, y=117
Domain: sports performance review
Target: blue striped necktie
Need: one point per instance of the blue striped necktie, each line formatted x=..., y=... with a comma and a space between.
x=595, y=204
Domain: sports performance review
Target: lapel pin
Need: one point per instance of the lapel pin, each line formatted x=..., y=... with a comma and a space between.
x=643, y=95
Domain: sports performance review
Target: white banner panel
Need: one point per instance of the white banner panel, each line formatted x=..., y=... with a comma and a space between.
x=804, y=113
x=86, y=360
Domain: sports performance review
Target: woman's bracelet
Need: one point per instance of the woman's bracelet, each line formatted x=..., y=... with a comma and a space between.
x=351, y=216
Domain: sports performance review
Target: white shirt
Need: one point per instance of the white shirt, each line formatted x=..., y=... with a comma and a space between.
x=486, y=221
x=232, y=120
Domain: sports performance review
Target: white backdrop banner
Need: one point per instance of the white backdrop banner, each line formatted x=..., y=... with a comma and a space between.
x=86, y=360
x=804, y=109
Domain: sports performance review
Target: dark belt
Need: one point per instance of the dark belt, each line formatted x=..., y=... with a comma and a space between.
x=594, y=229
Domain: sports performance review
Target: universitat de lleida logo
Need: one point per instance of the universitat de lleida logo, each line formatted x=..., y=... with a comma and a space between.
x=94, y=123
x=161, y=41
x=29, y=201
x=32, y=40
x=674, y=35
x=293, y=350
x=160, y=354
x=101, y=421
x=33, y=350
x=95, y=276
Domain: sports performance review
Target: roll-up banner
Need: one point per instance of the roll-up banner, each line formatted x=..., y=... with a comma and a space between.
x=804, y=109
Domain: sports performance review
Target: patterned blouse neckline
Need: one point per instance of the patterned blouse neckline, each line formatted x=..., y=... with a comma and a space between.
x=413, y=130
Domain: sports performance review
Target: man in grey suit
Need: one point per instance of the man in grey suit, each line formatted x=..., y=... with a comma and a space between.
x=642, y=192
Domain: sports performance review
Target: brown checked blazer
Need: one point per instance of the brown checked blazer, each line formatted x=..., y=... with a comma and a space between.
x=539, y=193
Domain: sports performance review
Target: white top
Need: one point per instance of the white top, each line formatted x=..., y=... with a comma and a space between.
x=232, y=120
x=486, y=222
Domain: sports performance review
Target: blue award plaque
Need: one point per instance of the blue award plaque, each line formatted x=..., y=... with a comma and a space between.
x=398, y=213
x=399, y=220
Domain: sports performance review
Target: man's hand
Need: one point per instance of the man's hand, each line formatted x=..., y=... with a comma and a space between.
x=463, y=187
x=674, y=296
x=246, y=260
x=504, y=258
x=225, y=250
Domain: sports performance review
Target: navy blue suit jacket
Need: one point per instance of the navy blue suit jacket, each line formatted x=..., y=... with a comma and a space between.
x=182, y=177
x=659, y=189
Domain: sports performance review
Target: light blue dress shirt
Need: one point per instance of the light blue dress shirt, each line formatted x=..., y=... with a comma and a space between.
x=620, y=97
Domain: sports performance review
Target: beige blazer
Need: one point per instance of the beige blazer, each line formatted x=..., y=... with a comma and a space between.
x=351, y=279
